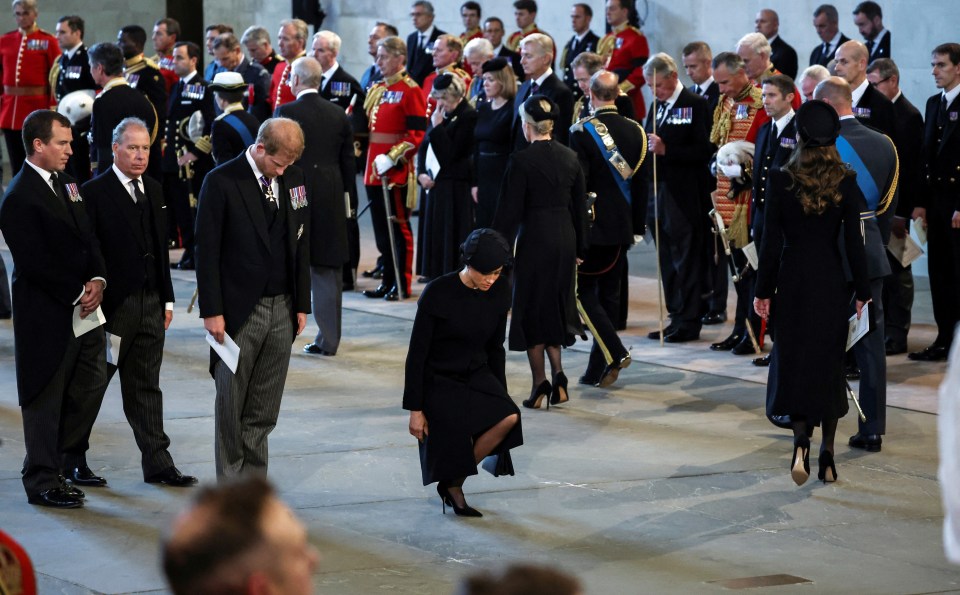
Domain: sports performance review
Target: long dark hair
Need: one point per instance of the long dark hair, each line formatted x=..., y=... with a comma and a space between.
x=815, y=174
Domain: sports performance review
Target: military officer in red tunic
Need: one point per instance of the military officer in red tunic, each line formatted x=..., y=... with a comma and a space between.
x=447, y=57
x=166, y=33
x=626, y=51
x=292, y=40
x=525, y=11
x=395, y=109
x=26, y=55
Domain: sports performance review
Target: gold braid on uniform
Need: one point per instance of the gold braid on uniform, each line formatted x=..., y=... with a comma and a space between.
x=885, y=203
x=643, y=150
x=723, y=119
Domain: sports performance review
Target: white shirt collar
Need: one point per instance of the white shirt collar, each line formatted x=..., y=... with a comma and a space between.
x=496, y=50
x=897, y=97
x=125, y=180
x=306, y=92
x=835, y=41
x=676, y=94
x=580, y=37
x=258, y=174
x=188, y=78
x=328, y=73
x=705, y=84
x=952, y=94
x=773, y=37
x=544, y=76
x=73, y=51
x=43, y=173
x=878, y=39
x=782, y=122
x=426, y=34
x=848, y=117
x=859, y=91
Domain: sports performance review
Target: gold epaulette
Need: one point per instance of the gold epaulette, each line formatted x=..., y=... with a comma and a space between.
x=577, y=107
x=635, y=29
x=643, y=145
x=150, y=62
x=463, y=74
x=373, y=96
x=606, y=45
x=410, y=82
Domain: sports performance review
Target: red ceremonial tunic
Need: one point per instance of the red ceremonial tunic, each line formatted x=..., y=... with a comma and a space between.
x=165, y=64
x=26, y=61
x=280, y=91
x=626, y=51
x=395, y=110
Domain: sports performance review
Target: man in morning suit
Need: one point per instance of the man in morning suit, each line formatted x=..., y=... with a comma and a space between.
x=868, y=17
x=884, y=76
x=330, y=171
x=536, y=55
x=583, y=40
x=72, y=73
x=226, y=50
x=116, y=101
x=938, y=205
x=420, y=42
x=186, y=158
x=493, y=32
x=870, y=106
x=826, y=21
x=253, y=279
x=681, y=142
x=611, y=149
x=782, y=54
x=58, y=269
x=873, y=156
x=128, y=217
x=235, y=128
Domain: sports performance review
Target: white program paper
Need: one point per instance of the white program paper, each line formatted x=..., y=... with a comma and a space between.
x=919, y=229
x=228, y=351
x=856, y=329
x=82, y=326
x=432, y=164
x=905, y=249
x=113, y=349
x=750, y=251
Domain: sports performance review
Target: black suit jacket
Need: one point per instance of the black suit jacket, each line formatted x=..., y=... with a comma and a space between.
x=108, y=203
x=683, y=167
x=227, y=142
x=941, y=155
x=329, y=167
x=768, y=156
x=514, y=59
x=255, y=76
x=419, y=62
x=233, y=245
x=617, y=220
x=712, y=95
x=570, y=51
x=54, y=254
x=553, y=88
x=112, y=106
x=817, y=56
x=876, y=111
x=883, y=48
x=908, y=125
x=784, y=57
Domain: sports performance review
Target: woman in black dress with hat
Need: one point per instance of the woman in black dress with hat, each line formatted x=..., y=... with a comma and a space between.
x=810, y=202
x=455, y=386
x=543, y=195
x=493, y=137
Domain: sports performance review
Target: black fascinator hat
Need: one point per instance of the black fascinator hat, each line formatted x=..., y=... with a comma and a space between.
x=817, y=124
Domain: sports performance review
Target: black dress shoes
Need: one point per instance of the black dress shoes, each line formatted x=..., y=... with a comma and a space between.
x=728, y=343
x=315, y=349
x=374, y=273
x=934, y=353
x=171, y=476
x=70, y=489
x=681, y=336
x=589, y=378
x=867, y=442
x=612, y=371
x=84, y=476
x=851, y=372
x=655, y=335
x=714, y=318
x=744, y=347
x=378, y=293
x=762, y=362
x=894, y=347
x=394, y=296
x=55, y=498
x=183, y=265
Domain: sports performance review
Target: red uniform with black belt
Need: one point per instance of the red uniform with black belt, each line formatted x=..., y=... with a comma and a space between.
x=627, y=51
x=395, y=109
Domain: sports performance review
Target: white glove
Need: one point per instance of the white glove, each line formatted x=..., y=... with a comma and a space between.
x=383, y=163
x=732, y=171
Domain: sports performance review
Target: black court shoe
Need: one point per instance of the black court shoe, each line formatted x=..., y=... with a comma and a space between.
x=538, y=395
x=559, y=393
x=447, y=500
x=800, y=465
x=828, y=470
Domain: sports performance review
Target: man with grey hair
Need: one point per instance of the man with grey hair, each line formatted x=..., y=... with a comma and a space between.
x=139, y=306
x=257, y=41
x=782, y=54
x=227, y=52
x=292, y=39
x=678, y=133
x=536, y=57
x=826, y=21
x=420, y=42
x=475, y=53
x=330, y=171
x=754, y=50
x=810, y=78
x=336, y=84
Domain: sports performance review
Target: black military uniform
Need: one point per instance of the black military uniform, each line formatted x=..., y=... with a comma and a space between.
x=618, y=213
x=144, y=76
x=69, y=74
x=116, y=102
x=187, y=97
x=232, y=132
x=573, y=48
x=876, y=111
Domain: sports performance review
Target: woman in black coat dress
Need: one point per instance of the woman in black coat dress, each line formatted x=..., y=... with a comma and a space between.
x=543, y=196
x=448, y=212
x=455, y=386
x=493, y=137
x=810, y=202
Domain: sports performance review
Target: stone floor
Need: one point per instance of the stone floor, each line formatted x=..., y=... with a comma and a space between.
x=670, y=481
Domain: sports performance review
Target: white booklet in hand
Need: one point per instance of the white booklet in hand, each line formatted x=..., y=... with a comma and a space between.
x=82, y=326
x=228, y=351
x=750, y=251
x=856, y=329
x=113, y=349
x=905, y=249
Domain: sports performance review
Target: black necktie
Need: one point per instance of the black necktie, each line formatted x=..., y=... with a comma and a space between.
x=696, y=89
x=773, y=134
x=870, y=45
x=138, y=194
x=57, y=188
x=826, y=50
x=266, y=185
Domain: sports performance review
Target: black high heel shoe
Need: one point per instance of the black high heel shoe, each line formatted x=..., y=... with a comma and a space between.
x=828, y=471
x=800, y=465
x=559, y=393
x=538, y=395
x=447, y=500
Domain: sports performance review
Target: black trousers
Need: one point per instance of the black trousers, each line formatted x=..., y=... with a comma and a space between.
x=681, y=262
x=402, y=233
x=599, y=295
x=943, y=252
x=897, y=300
x=177, y=194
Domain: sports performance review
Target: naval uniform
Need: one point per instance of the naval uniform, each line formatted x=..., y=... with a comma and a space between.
x=71, y=73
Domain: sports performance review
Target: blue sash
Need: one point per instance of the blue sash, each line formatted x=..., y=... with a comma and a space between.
x=241, y=129
x=866, y=182
x=622, y=184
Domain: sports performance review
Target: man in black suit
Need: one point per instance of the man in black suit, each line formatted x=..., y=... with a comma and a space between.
x=619, y=213
x=330, y=171
x=884, y=76
x=226, y=51
x=868, y=17
x=128, y=216
x=58, y=274
x=583, y=40
x=235, y=128
x=186, y=158
x=536, y=55
x=420, y=42
x=826, y=21
x=870, y=106
x=873, y=157
x=72, y=73
x=144, y=76
x=493, y=32
x=253, y=279
x=679, y=138
x=938, y=205
x=117, y=101
x=697, y=58
x=782, y=54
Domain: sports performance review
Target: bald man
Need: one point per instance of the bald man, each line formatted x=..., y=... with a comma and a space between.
x=783, y=56
x=870, y=106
